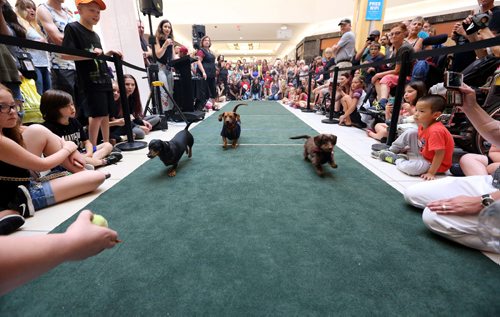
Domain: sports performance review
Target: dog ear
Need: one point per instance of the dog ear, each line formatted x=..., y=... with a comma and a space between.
x=318, y=140
x=238, y=117
x=222, y=115
x=334, y=139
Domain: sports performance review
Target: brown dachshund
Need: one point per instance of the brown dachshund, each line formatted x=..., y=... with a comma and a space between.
x=231, y=129
x=319, y=150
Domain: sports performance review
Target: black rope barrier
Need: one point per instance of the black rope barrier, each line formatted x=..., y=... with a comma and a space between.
x=406, y=59
x=117, y=60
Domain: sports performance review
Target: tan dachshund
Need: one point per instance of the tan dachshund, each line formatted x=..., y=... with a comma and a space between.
x=319, y=150
x=231, y=129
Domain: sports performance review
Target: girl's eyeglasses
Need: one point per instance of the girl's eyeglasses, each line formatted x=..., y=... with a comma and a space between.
x=8, y=108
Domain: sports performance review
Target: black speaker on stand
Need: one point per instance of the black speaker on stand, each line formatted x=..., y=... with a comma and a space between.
x=152, y=7
x=198, y=33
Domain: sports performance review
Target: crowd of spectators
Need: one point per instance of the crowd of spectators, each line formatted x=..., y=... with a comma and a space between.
x=78, y=93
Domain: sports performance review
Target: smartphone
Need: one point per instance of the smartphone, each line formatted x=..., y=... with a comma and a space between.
x=453, y=98
x=453, y=80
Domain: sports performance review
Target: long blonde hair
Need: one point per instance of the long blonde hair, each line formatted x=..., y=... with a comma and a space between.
x=22, y=7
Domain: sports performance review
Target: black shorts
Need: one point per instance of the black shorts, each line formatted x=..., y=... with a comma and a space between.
x=95, y=103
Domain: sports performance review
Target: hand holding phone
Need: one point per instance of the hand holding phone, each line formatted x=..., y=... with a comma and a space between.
x=453, y=80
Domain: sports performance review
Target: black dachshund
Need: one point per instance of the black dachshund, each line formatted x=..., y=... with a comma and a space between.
x=170, y=152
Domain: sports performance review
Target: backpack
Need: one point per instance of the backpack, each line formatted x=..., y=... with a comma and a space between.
x=420, y=71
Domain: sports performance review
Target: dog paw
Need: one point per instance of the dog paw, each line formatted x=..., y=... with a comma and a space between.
x=334, y=165
x=172, y=173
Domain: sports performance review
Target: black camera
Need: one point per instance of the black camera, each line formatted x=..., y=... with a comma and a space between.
x=371, y=38
x=479, y=21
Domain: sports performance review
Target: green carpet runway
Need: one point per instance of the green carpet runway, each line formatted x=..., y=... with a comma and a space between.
x=254, y=232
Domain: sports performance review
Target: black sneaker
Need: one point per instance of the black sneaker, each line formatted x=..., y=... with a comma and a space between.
x=10, y=223
x=22, y=202
x=113, y=158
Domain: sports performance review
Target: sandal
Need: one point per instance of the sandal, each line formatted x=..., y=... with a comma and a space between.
x=345, y=125
x=10, y=223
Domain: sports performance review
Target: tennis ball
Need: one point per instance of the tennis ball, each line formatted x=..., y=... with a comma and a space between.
x=99, y=220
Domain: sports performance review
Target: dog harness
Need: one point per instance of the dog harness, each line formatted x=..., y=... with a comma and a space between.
x=231, y=134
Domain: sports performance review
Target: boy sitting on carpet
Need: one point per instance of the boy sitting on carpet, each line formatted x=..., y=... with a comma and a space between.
x=432, y=143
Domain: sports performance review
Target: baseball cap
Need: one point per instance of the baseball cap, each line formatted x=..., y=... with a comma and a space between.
x=375, y=33
x=345, y=21
x=100, y=3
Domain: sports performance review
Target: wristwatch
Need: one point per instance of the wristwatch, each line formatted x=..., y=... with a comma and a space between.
x=487, y=200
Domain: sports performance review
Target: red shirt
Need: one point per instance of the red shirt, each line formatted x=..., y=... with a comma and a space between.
x=436, y=137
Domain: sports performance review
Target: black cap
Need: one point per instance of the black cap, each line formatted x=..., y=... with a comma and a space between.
x=345, y=21
x=375, y=33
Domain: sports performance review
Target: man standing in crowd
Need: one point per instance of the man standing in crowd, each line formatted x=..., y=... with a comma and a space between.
x=344, y=49
x=147, y=53
x=53, y=18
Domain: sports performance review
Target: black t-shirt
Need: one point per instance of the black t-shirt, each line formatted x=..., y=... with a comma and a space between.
x=223, y=73
x=92, y=74
x=255, y=88
x=494, y=24
x=167, y=56
x=72, y=132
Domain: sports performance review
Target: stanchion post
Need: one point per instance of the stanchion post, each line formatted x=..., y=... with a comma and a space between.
x=130, y=145
x=308, y=108
x=333, y=96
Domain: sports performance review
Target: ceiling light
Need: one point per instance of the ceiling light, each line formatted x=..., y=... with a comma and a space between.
x=284, y=27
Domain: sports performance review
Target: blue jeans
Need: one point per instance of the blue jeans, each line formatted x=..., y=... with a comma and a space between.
x=255, y=96
x=41, y=194
x=43, y=81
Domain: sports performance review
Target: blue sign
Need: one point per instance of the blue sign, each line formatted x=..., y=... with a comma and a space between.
x=374, y=10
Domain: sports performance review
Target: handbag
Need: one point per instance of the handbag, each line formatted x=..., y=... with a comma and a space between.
x=26, y=66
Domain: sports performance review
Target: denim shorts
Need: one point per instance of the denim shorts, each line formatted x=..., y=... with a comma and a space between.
x=41, y=194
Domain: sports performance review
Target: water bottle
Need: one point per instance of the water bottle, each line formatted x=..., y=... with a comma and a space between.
x=489, y=226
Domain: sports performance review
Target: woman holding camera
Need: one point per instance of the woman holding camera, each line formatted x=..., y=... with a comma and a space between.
x=164, y=51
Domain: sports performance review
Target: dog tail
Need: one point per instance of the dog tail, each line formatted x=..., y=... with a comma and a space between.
x=300, y=137
x=189, y=123
x=240, y=104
